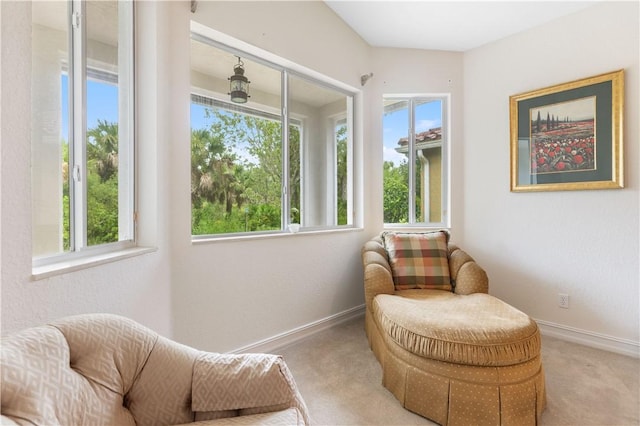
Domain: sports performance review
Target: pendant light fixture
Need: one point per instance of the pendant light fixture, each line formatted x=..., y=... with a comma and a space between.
x=239, y=84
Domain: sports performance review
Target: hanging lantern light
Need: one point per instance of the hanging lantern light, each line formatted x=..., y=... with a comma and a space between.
x=239, y=84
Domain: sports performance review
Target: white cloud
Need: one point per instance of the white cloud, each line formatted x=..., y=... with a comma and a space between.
x=424, y=125
x=390, y=154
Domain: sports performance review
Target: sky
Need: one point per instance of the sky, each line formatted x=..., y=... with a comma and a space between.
x=198, y=120
x=395, y=126
x=102, y=103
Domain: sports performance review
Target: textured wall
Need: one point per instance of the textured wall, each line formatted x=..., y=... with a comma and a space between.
x=138, y=287
x=229, y=294
x=583, y=243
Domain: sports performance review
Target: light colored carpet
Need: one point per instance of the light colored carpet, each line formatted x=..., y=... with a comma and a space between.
x=341, y=382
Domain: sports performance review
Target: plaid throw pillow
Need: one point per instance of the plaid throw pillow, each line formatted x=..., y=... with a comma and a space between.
x=418, y=260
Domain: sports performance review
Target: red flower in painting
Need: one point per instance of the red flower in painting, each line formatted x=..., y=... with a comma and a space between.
x=567, y=148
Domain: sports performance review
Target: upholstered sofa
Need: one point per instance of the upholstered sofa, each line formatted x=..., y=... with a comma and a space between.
x=449, y=351
x=108, y=370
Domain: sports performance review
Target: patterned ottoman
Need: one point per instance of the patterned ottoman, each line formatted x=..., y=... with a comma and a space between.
x=458, y=359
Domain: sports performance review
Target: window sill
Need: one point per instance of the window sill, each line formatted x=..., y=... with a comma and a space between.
x=283, y=234
x=415, y=228
x=72, y=265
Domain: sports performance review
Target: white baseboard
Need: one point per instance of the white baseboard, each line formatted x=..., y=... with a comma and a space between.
x=278, y=341
x=563, y=332
x=589, y=338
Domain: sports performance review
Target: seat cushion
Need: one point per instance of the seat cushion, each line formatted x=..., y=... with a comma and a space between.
x=477, y=329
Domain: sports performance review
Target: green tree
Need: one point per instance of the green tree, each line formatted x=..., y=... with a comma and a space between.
x=236, y=163
x=102, y=183
x=396, y=192
x=102, y=149
x=66, y=213
x=342, y=182
x=216, y=175
x=102, y=210
x=102, y=186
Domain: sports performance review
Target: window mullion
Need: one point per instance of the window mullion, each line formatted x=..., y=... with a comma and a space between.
x=78, y=127
x=126, y=119
x=286, y=192
x=351, y=219
x=412, y=162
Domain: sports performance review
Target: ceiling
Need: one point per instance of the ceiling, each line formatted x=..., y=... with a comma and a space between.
x=446, y=25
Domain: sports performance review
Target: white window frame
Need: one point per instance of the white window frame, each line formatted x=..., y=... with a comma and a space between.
x=79, y=68
x=204, y=35
x=413, y=100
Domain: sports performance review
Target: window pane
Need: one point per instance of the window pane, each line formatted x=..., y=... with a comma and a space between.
x=428, y=170
x=295, y=210
x=286, y=169
x=107, y=88
x=324, y=144
x=342, y=175
x=396, y=168
x=236, y=149
x=50, y=129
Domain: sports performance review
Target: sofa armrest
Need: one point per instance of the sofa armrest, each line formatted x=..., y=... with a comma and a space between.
x=466, y=275
x=377, y=271
x=251, y=383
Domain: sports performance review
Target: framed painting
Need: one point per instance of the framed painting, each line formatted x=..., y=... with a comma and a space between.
x=568, y=136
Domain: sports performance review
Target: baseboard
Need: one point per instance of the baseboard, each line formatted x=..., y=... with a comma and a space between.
x=278, y=341
x=589, y=338
x=570, y=334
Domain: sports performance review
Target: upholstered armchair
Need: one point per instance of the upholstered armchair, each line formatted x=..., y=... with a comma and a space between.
x=105, y=369
x=466, y=276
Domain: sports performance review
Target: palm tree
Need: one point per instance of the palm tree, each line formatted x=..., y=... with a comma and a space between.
x=215, y=174
x=102, y=148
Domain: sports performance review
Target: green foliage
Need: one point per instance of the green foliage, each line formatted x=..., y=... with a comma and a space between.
x=102, y=209
x=66, y=221
x=266, y=217
x=396, y=192
x=102, y=149
x=102, y=183
x=232, y=194
x=341, y=184
x=102, y=186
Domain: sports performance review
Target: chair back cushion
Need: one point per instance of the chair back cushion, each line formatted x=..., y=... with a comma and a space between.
x=418, y=260
x=41, y=386
x=76, y=370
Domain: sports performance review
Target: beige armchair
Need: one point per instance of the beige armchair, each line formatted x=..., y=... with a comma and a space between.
x=103, y=369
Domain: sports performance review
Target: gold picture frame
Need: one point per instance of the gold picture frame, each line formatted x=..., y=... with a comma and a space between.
x=568, y=136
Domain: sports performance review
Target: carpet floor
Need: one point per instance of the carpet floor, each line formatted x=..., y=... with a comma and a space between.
x=341, y=382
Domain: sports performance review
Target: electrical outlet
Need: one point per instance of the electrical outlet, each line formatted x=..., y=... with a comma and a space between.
x=563, y=300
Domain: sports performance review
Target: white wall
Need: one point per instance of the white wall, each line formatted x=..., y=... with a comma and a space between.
x=229, y=294
x=137, y=287
x=536, y=245
x=411, y=71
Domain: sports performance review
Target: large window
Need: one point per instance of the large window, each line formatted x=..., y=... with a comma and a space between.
x=415, y=161
x=284, y=156
x=82, y=128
